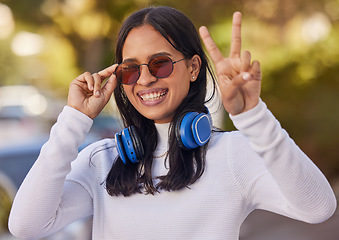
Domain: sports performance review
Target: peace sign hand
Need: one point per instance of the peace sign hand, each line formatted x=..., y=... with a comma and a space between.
x=239, y=80
x=86, y=93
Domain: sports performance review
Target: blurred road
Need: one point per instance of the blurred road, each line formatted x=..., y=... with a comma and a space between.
x=262, y=225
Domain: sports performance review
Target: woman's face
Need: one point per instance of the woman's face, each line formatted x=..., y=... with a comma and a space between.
x=155, y=98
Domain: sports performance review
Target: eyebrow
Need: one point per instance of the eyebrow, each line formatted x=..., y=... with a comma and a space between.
x=149, y=57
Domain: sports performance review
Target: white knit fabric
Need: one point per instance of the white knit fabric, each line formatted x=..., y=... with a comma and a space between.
x=257, y=167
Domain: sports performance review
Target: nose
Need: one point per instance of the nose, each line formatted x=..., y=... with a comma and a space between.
x=146, y=78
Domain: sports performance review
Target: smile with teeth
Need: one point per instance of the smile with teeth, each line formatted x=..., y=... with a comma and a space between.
x=152, y=96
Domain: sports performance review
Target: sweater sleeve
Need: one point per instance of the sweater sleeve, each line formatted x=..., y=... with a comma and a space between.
x=45, y=202
x=292, y=181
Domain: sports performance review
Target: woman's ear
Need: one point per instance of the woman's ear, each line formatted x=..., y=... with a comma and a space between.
x=195, y=65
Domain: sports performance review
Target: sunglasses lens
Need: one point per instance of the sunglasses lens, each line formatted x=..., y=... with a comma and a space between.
x=127, y=73
x=161, y=66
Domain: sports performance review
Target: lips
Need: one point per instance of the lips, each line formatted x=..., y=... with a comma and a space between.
x=152, y=96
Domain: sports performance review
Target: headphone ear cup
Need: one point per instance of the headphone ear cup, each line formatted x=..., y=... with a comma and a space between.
x=202, y=128
x=137, y=143
x=129, y=145
x=120, y=147
x=177, y=132
x=193, y=130
x=184, y=131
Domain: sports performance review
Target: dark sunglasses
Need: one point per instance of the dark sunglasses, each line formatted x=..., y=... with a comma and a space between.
x=160, y=67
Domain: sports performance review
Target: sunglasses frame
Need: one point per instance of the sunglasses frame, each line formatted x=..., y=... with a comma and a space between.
x=146, y=64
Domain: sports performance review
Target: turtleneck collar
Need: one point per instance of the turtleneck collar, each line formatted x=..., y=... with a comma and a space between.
x=162, y=129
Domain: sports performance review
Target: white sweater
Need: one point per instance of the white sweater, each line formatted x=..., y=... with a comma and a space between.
x=257, y=167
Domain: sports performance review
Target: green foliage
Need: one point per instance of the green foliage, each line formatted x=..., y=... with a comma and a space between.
x=5, y=206
x=300, y=81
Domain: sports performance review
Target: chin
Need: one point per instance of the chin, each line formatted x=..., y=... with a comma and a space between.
x=158, y=118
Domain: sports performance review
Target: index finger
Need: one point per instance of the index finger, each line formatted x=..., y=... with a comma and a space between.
x=210, y=45
x=107, y=72
x=236, y=35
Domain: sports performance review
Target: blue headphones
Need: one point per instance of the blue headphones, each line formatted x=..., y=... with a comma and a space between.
x=192, y=130
x=129, y=145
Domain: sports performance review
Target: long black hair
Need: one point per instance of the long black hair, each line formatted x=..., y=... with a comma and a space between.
x=185, y=166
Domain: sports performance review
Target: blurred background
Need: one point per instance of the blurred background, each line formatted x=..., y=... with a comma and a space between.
x=45, y=44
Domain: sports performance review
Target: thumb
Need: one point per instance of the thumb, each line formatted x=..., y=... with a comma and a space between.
x=236, y=83
x=241, y=79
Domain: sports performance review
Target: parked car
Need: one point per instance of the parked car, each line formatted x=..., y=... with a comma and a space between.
x=15, y=163
x=17, y=159
x=25, y=113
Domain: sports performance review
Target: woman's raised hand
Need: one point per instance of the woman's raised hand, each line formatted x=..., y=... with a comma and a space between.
x=88, y=95
x=239, y=79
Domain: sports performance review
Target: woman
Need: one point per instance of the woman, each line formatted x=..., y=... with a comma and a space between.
x=164, y=188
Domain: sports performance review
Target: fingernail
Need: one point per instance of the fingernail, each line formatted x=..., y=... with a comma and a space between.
x=247, y=76
x=91, y=88
x=97, y=93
